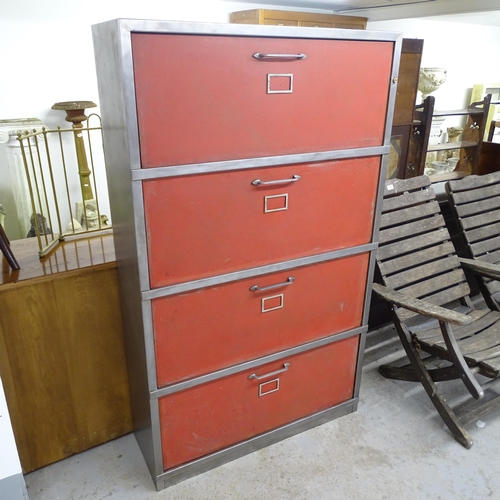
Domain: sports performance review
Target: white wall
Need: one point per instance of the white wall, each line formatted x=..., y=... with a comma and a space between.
x=47, y=55
x=9, y=459
x=466, y=51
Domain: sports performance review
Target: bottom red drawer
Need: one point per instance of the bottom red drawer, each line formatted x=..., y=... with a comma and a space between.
x=213, y=416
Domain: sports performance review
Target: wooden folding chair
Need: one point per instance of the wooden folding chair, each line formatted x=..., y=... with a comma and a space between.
x=475, y=205
x=443, y=335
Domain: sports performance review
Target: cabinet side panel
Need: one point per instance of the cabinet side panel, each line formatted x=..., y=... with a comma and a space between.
x=111, y=53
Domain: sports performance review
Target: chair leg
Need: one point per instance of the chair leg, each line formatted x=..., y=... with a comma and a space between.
x=408, y=374
x=5, y=249
x=447, y=414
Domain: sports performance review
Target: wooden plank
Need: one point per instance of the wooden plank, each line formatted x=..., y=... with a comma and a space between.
x=475, y=195
x=486, y=246
x=415, y=244
x=473, y=414
x=473, y=181
x=413, y=259
x=474, y=208
x=439, y=298
x=482, y=319
x=407, y=200
x=492, y=257
x=495, y=365
x=493, y=287
x=407, y=277
x=419, y=306
x=481, y=233
x=483, y=345
x=430, y=284
x=459, y=331
x=473, y=220
x=481, y=268
x=396, y=186
x=409, y=214
x=411, y=229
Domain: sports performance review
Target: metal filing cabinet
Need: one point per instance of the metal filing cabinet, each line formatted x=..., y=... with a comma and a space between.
x=245, y=167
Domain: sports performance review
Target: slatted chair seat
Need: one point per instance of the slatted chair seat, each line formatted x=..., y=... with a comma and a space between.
x=422, y=278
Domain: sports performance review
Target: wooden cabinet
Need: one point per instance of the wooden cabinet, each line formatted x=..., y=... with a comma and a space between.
x=472, y=136
x=469, y=147
x=245, y=199
x=404, y=109
x=62, y=356
x=290, y=18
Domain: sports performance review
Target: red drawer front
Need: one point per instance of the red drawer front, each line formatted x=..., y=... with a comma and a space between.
x=200, y=332
x=215, y=415
x=204, y=225
x=205, y=98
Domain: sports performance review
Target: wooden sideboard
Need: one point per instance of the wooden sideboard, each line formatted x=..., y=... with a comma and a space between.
x=62, y=359
x=293, y=18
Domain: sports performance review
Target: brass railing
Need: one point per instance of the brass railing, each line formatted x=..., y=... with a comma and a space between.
x=59, y=199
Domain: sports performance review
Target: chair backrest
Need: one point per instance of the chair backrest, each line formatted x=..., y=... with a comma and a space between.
x=475, y=204
x=416, y=255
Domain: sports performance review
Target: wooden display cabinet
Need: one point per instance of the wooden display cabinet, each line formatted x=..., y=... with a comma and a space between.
x=470, y=146
x=404, y=109
x=62, y=356
x=291, y=18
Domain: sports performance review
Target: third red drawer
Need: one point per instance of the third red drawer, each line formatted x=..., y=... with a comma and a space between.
x=206, y=330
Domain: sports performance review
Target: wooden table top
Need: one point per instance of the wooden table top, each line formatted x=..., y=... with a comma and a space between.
x=75, y=254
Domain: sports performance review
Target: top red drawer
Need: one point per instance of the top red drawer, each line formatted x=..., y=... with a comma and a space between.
x=206, y=98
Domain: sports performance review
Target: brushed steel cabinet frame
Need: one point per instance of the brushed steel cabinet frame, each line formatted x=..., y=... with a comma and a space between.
x=113, y=56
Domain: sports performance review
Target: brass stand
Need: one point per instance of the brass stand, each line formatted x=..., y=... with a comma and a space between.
x=75, y=113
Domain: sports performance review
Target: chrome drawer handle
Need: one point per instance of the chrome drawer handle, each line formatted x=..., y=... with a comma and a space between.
x=258, y=182
x=266, y=375
x=261, y=56
x=257, y=288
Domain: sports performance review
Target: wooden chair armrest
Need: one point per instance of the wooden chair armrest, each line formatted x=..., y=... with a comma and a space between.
x=420, y=306
x=483, y=268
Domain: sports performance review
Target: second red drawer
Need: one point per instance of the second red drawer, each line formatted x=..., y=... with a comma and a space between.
x=205, y=225
x=207, y=330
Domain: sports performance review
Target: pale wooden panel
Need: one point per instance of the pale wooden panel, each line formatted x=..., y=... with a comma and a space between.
x=37, y=385
x=62, y=357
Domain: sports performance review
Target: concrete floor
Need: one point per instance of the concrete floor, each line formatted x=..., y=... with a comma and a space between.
x=394, y=447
